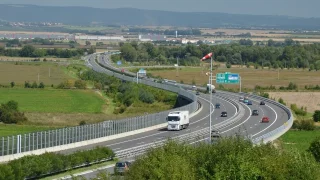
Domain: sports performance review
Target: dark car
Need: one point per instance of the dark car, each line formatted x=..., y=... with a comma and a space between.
x=255, y=113
x=121, y=167
x=217, y=106
x=197, y=93
x=224, y=114
x=249, y=103
x=262, y=103
x=215, y=135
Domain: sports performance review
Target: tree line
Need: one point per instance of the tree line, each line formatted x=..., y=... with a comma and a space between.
x=31, y=51
x=125, y=93
x=287, y=54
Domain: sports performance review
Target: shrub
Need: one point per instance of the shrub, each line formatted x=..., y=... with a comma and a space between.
x=281, y=101
x=307, y=125
x=314, y=148
x=12, y=84
x=316, y=116
x=145, y=96
x=9, y=113
x=41, y=85
x=298, y=111
x=34, y=85
x=80, y=84
x=82, y=123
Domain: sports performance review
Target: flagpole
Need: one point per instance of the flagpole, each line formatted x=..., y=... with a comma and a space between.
x=210, y=101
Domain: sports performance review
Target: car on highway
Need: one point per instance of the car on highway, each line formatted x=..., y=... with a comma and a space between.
x=122, y=167
x=246, y=101
x=218, y=106
x=197, y=93
x=224, y=114
x=265, y=119
x=262, y=103
x=255, y=113
x=241, y=99
x=249, y=103
x=215, y=135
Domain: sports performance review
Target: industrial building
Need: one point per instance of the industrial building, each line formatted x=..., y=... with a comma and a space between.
x=152, y=37
x=99, y=38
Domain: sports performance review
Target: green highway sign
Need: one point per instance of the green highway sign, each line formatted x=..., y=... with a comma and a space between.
x=227, y=78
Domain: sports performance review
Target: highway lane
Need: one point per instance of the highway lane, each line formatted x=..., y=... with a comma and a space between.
x=197, y=122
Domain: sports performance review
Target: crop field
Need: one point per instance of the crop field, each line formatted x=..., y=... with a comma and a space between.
x=250, y=76
x=299, y=140
x=53, y=100
x=29, y=72
x=311, y=100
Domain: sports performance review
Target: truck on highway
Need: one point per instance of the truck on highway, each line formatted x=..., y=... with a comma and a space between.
x=212, y=88
x=178, y=120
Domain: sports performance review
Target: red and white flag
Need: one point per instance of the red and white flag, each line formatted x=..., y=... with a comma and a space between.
x=207, y=56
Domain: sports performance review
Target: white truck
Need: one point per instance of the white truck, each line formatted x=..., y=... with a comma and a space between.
x=178, y=120
x=212, y=87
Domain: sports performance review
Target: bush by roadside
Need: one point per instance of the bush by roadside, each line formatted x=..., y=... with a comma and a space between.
x=35, y=166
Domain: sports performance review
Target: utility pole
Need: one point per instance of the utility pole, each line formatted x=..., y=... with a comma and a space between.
x=177, y=73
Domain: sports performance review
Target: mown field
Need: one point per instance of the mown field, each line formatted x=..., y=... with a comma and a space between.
x=53, y=100
x=250, y=76
x=299, y=140
x=311, y=100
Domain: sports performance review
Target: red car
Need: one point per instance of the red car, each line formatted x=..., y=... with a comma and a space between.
x=265, y=119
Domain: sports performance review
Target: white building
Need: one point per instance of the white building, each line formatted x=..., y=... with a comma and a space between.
x=99, y=38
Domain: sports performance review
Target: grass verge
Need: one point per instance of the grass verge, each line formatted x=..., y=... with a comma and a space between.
x=300, y=140
x=79, y=170
x=12, y=129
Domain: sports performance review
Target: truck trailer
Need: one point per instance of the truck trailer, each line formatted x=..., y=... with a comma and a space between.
x=212, y=88
x=178, y=120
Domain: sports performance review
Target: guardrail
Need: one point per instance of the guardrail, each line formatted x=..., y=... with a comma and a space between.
x=53, y=138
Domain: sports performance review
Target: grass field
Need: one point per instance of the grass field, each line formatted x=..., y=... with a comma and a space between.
x=11, y=129
x=299, y=139
x=250, y=76
x=53, y=100
x=29, y=72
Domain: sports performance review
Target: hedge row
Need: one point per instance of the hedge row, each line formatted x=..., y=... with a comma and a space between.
x=49, y=163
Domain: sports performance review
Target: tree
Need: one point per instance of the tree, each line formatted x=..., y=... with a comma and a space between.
x=27, y=51
x=9, y=113
x=88, y=43
x=27, y=84
x=12, y=84
x=34, y=85
x=80, y=84
x=41, y=85
x=281, y=101
x=316, y=116
x=128, y=52
x=314, y=148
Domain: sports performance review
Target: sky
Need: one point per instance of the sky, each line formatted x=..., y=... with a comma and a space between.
x=297, y=8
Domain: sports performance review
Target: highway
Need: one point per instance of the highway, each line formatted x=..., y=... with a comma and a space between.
x=247, y=125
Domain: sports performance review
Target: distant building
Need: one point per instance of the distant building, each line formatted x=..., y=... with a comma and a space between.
x=99, y=38
x=186, y=41
x=150, y=37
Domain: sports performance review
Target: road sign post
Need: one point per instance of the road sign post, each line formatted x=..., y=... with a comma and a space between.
x=228, y=78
